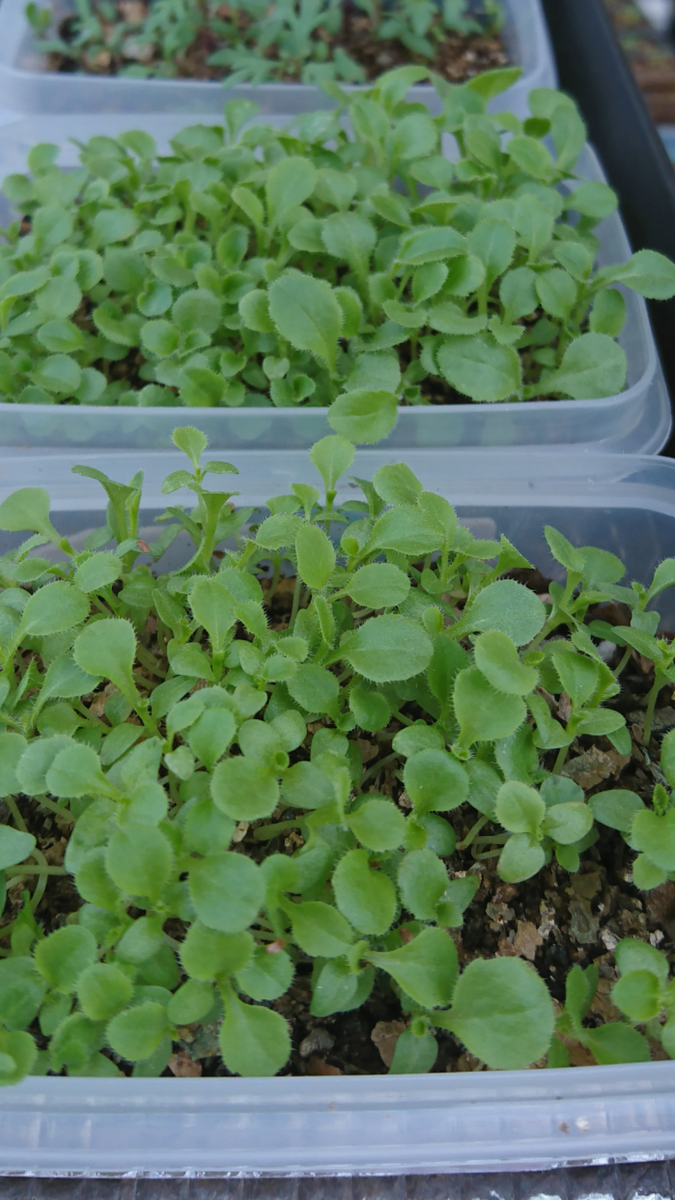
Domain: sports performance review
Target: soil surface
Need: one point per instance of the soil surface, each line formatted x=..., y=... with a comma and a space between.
x=554, y=920
x=457, y=57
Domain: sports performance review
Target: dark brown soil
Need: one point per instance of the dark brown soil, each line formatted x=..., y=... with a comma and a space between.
x=457, y=58
x=555, y=920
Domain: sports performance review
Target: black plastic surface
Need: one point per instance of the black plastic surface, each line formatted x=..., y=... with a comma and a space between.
x=593, y=69
x=646, y=1181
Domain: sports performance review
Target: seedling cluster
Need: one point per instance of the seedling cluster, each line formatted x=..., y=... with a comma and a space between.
x=179, y=739
x=256, y=43
x=347, y=264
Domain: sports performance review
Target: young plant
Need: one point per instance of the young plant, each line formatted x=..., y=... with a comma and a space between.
x=250, y=267
x=294, y=40
x=223, y=830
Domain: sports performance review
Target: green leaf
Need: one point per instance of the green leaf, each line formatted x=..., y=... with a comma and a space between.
x=53, y=609
x=667, y=757
x=366, y=897
x=483, y=714
x=289, y=183
x=254, y=1041
x=319, y=930
x=608, y=314
x=22, y=991
x=638, y=995
x=378, y=825
x=634, y=955
x=76, y=771
x=494, y=243
x=503, y=1013
x=28, y=508
x=431, y=244
x=435, y=782
x=480, y=368
x=138, y=859
x=414, y=1055
x=18, y=1053
x=497, y=659
x=426, y=968
x=314, y=688
x=316, y=556
x=207, y=954
x=508, y=607
x=113, y=225
x=388, y=648
x=213, y=608
x=593, y=366
x=267, y=976
x=59, y=373
x=64, y=955
x=349, y=236
x=227, y=891
x=649, y=273
x=98, y=572
x=244, y=789
x=655, y=836
x=519, y=808
x=616, y=1043
x=379, y=585
x=192, y=1002
x=522, y=857
x=568, y=823
x=422, y=879
x=306, y=313
x=136, y=1033
x=409, y=530
x=332, y=456
x=107, y=649
x=364, y=416
x=15, y=846
x=102, y=990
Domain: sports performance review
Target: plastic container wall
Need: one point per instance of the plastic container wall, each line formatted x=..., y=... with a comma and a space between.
x=637, y=421
x=432, y=1123
x=27, y=86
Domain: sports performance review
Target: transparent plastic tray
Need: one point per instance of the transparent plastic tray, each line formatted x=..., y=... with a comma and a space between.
x=509, y=1120
x=636, y=421
x=27, y=86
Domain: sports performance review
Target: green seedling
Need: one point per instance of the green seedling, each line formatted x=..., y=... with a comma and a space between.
x=251, y=267
x=162, y=720
x=295, y=40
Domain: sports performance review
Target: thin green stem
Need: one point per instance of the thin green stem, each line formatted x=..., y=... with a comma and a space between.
x=266, y=832
x=296, y=601
x=14, y=809
x=651, y=705
x=377, y=767
x=473, y=833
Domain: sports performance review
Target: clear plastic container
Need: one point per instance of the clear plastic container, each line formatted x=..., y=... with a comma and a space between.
x=357, y=1125
x=27, y=86
x=636, y=421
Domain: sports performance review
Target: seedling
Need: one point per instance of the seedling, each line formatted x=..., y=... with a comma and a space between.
x=250, y=267
x=295, y=40
x=162, y=720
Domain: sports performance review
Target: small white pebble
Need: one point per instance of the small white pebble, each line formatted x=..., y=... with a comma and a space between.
x=582, y=1124
x=656, y=937
x=606, y=650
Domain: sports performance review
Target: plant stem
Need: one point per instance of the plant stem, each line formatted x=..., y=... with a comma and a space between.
x=38, y=869
x=296, y=602
x=651, y=705
x=266, y=832
x=473, y=832
x=14, y=809
x=377, y=767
